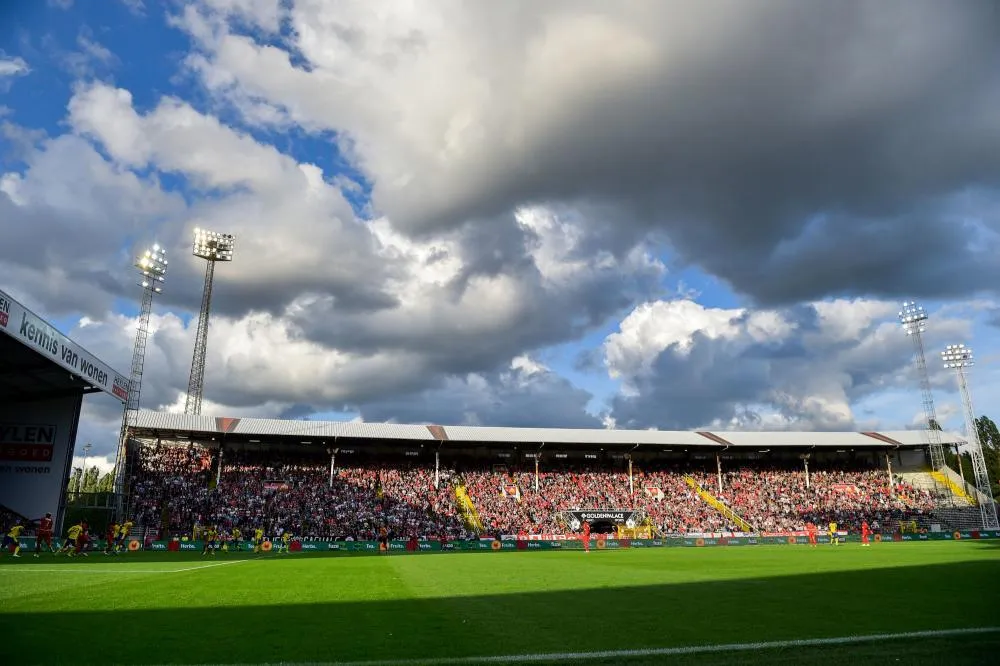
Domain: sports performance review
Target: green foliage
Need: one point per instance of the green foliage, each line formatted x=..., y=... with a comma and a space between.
x=934, y=425
x=989, y=437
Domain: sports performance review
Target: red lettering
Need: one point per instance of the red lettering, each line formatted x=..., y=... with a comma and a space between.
x=26, y=452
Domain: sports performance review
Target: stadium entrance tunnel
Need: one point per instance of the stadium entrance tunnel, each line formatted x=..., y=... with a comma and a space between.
x=602, y=527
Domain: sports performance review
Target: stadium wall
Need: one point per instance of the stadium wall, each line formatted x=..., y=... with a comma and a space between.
x=570, y=543
x=36, y=452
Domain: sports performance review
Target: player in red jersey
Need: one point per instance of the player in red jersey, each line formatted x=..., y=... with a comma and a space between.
x=586, y=537
x=866, y=532
x=811, y=531
x=44, y=534
x=82, y=540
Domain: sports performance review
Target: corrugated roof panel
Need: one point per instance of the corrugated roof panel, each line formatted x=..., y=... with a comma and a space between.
x=149, y=420
x=331, y=429
x=575, y=436
x=184, y=422
x=920, y=437
x=792, y=439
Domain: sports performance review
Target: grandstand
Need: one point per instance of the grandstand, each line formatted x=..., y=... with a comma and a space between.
x=345, y=480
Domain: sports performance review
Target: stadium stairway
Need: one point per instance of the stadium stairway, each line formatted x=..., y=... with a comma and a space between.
x=467, y=508
x=941, y=486
x=719, y=505
x=953, y=482
x=964, y=518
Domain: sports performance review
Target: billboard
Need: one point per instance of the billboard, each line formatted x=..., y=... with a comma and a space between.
x=32, y=331
x=36, y=451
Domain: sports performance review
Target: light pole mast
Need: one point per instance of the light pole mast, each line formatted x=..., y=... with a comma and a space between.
x=959, y=357
x=212, y=247
x=914, y=320
x=152, y=267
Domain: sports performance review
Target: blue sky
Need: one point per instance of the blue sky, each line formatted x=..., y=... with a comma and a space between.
x=422, y=225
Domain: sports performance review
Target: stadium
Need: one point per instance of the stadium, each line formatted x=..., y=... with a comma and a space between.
x=249, y=540
x=541, y=333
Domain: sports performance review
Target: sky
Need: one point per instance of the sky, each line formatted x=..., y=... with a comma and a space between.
x=670, y=215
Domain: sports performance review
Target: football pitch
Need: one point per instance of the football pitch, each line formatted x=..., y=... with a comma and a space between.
x=898, y=603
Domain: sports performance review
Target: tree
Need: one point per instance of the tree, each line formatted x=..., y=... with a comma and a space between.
x=90, y=479
x=933, y=424
x=74, y=481
x=988, y=433
x=106, y=484
x=989, y=437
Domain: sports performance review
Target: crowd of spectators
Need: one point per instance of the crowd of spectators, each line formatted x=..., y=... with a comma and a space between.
x=170, y=486
x=174, y=488
x=776, y=499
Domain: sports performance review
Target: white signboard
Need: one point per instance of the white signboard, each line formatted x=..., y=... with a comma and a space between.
x=22, y=324
x=36, y=444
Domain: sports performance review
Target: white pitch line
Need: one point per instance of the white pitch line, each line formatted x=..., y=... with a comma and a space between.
x=655, y=652
x=97, y=569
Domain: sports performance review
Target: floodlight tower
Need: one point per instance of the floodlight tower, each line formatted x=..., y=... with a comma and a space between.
x=914, y=320
x=212, y=247
x=152, y=267
x=958, y=358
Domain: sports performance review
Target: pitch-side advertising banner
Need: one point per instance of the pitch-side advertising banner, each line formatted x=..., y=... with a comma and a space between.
x=616, y=516
x=23, y=325
x=36, y=441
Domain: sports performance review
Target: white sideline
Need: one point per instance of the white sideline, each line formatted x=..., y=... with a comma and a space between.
x=655, y=652
x=97, y=569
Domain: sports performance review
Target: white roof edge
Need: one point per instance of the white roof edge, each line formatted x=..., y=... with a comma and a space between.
x=181, y=423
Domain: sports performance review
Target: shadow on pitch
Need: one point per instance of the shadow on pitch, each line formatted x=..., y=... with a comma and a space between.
x=274, y=628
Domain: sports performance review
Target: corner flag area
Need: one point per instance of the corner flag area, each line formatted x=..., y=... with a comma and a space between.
x=912, y=603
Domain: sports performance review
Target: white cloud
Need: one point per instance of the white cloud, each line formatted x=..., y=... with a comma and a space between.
x=686, y=365
x=12, y=67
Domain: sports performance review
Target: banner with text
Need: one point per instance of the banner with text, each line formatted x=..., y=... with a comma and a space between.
x=30, y=329
x=36, y=450
x=615, y=516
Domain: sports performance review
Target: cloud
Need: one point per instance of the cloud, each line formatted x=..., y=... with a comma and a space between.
x=685, y=366
x=67, y=216
x=135, y=7
x=844, y=170
x=10, y=69
x=257, y=368
x=526, y=394
x=90, y=58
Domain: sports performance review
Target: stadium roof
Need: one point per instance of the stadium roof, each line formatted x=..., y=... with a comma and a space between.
x=159, y=424
x=38, y=362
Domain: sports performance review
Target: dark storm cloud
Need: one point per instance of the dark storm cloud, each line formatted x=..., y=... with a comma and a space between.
x=63, y=226
x=514, y=398
x=870, y=113
x=458, y=341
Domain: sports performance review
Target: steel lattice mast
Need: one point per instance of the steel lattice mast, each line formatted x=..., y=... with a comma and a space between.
x=959, y=357
x=914, y=320
x=152, y=266
x=212, y=247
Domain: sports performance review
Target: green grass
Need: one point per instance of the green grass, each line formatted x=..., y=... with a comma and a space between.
x=164, y=608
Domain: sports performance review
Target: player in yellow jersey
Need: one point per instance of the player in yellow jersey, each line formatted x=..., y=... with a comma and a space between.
x=13, y=538
x=210, y=536
x=258, y=539
x=124, y=530
x=235, y=537
x=72, y=536
x=286, y=539
x=833, y=534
